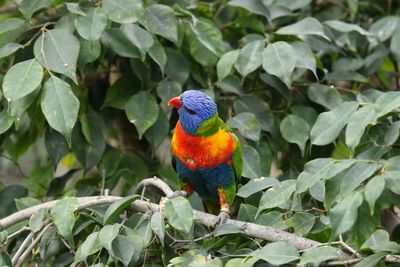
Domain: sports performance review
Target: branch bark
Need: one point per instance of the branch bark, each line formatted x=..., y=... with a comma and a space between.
x=250, y=229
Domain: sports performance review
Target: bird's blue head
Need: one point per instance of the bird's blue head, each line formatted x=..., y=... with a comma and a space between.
x=194, y=107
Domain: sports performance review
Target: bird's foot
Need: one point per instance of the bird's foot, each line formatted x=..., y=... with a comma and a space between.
x=222, y=217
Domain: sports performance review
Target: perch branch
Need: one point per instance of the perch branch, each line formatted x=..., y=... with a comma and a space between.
x=250, y=229
x=22, y=248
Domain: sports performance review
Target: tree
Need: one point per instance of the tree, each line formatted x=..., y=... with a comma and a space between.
x=311, y=88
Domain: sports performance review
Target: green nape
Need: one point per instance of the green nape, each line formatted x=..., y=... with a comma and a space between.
x=209, y=127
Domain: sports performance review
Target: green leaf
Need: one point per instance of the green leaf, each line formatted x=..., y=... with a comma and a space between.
x=117, y=207
x=306, y=113
x=344, y=75
x=63, y=216
x=318, y=255
x=344, y=214
x=320, y=169
x=302, y=222
x=10, y=24
x=92, y=25
x=22, y=79
x=119, y=43
x=75, y=9
x=9, y=49
x=231, y=84
x=36, y=221
x=386, y=103
x=277, y=195
x=168, y=89
x=254, y=6
x=177, y=67
x=28, y=7
x=295, y=130
x=357, y=124
x=158, y=225
x=304, y=57
x=7, y=196
x=89, y=52
x=179, y=214
x=225, y=229
x=385, y=27
x=380, y=241
x=394, y=44
x=157, y=133
x=247, y=124
x=256, y=185
x=341, y=26
x=324, y=95
x=107, y=235
x=157, y=53
x=90, y=246
x=272, y=219
x=139, y=37
x=329, y=124
x=123, y=249
x=6, y=121
x=279, y=59
x=52, y=53
x=142, y=111
x=60, y=106
x=110, y=162
x=123, y=11
x=250, y=57
x=260, y=108
x=373, y=191
x=160, y=19
x=225, y=64
x=305, y=26
x=251, y=162
x=278, y=253
x=372, y=260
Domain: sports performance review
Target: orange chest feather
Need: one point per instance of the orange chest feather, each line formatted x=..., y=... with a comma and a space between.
x=202, y=151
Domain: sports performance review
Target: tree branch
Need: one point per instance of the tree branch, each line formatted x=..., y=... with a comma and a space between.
x=250, y=229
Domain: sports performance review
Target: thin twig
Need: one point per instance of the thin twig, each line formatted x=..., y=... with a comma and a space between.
x=32, y=246
x=23, y=229
x=22, y=248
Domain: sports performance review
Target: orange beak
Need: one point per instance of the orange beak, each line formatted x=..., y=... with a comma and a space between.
x=176, y=102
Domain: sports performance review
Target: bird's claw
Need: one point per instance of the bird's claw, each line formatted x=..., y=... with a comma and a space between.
x=222, y=217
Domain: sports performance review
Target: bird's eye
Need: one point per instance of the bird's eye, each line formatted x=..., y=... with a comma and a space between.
x=191, y=112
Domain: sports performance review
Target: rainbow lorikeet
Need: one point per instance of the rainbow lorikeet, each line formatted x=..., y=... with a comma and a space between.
x=207, y=154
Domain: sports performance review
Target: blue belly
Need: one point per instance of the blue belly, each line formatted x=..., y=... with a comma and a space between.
x=205, y=181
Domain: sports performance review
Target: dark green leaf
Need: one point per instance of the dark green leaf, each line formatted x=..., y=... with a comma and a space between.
x=107, y=235
x=158, y=225
x=63, y=216
x=90, y=246
x=326, y=96
x=123, y=249
x=247, y=124
x=225, y=229
x=157, y=53
x=295, y=130
x=278, y=253
x=117, y=207
x=251, y=162
x=179, y=214
x=91, y=26
x=277, y=195
x=302, y=222
x=119, y=43
x=256, y=185
x=160, y=20
x=6, y=121
x=139, y=37
x=7, y=196
x=373, y=191
x=177, y=66
x=255, y=6
x=371, y=261
x=379, y=241
x=318, y=254
x=157, y=133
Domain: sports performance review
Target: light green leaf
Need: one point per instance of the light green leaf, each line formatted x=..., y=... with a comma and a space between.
x=225, y=229
x=372, y=260
x=107, y=235
x=139, y=37
x=160, y=19
x=304, y=57
x=342, y=26
x=117, y=207
x=256, y=185
x=394, y=44
x=179, y=214
x=91, y=26
x=158, y=225
x=60, y=106
x=329, y=124
x=318, y=255
x=327, y=96
x=320, y=169
x=22, y=79
x=346, y=75
x=89, y=52
x=278, y=253
x=386, y=103
x=75, y=9
x=28, y=7
x=123, y=249
x=251, y=162
x=63, y=216
x=36, y=221
x=9, y=49
x=247, y=124
x=373, y=190
x=119, y=43
x=250, y=57
x=277, y=195
x=279, y=59
x=301, y=222
x=90, y=246
x=225, y=64
x=295, y=130
x=123, y=11
x=357, y=124
x=344, y=214
x=317, y=191
x=56, y=55
x=254, y=6
x=385, y=27
x=231, y=84
x=380, y=241
x=306, y=113
x=10, y=24
x=142, y=111
x=305, y=26
x=6, y=121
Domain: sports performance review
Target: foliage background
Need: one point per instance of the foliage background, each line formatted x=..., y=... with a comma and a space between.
x=310, y=87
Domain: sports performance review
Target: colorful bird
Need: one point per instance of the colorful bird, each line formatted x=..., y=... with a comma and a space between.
x=207, y=154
